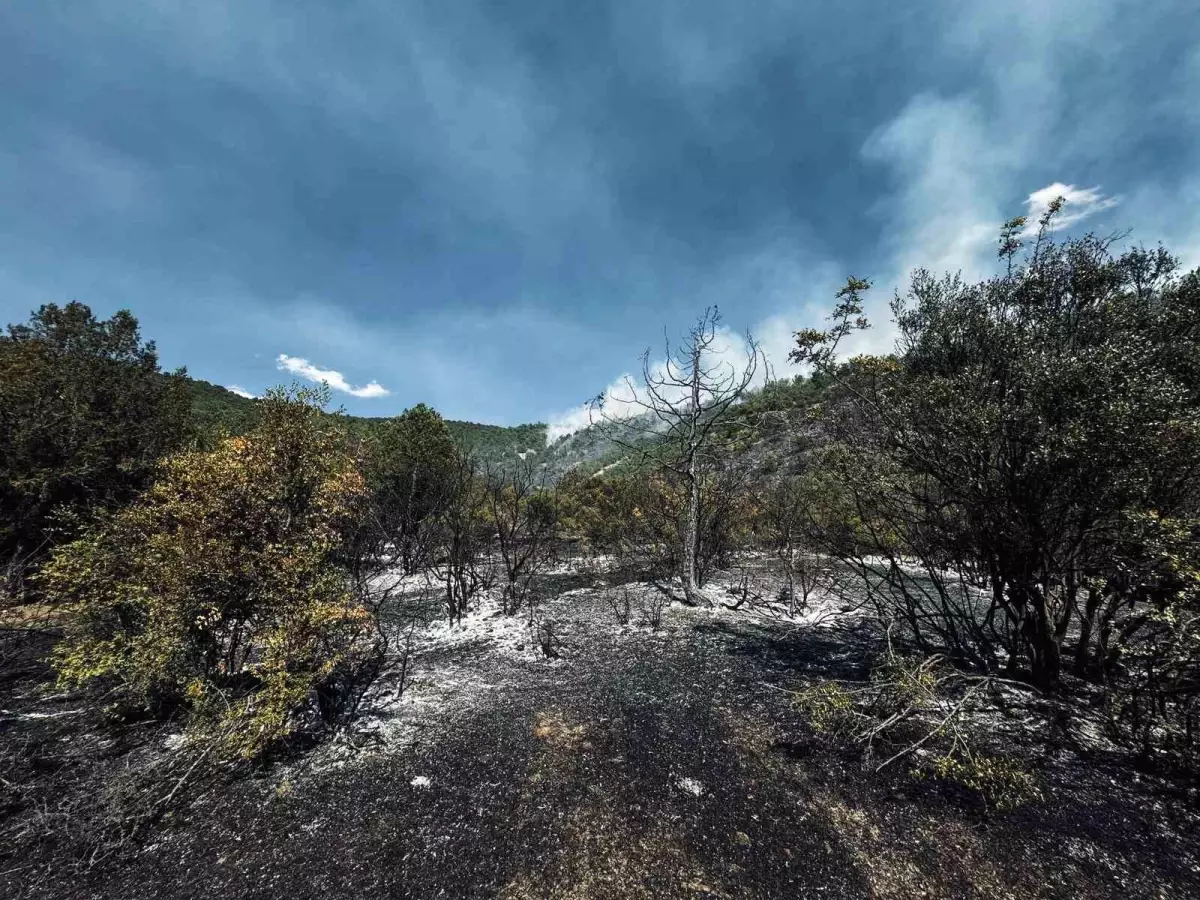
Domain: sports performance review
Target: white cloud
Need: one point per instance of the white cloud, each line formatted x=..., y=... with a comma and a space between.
x=626, y=398
x=1081, y=203
x=616, y=404
x=336, y=380
x=240, y=391
x=945, y=215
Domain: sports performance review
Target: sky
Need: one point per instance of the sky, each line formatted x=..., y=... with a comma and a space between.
x=495, y=207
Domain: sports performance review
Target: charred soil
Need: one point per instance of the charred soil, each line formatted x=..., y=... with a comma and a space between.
x=633, y=763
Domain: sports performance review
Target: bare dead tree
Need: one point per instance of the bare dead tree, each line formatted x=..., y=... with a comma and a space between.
x=464, y=571
x=787, y=518
x=671, y=419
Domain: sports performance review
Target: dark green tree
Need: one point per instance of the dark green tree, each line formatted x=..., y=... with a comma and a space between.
x=85, y=414
x=413, y=457
x=1020, y=424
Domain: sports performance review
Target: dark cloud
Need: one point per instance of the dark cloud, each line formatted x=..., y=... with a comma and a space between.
x=493, y=206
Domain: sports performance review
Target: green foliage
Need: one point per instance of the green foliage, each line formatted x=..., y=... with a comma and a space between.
x=85, y=415
x=496, y=443
x=219, y=589
x=1022, y=420
x=815, y=347
x=829, y=707
x=1000, y=781
x=411, y=453
x=902, y=682
x=217, y=412
x=1152, y=653
x=916, y=708
x=412, y=460
x=603, y=511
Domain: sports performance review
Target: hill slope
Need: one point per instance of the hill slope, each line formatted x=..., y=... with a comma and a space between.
x=215, y=407
x=769, y=421
x=765, y=431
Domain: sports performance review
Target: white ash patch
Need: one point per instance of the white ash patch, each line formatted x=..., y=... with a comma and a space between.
x=514, y=636
x=583, y=565
x=314, y=826
x=432, y=693
x=420, y=782
x=399, y=585
x=17, y=716
x=452, y=667
x=444, y=677
x=690, y=786
x=485, y=621
x=759, y=596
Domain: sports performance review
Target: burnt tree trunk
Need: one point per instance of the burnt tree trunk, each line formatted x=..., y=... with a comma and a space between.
x=691, y=531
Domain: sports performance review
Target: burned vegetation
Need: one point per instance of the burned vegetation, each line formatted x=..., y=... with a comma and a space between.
x=922, y=624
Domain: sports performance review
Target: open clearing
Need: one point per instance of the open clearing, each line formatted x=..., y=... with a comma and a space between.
x=639, y=763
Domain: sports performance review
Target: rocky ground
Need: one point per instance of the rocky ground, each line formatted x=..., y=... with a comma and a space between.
x=633, y=762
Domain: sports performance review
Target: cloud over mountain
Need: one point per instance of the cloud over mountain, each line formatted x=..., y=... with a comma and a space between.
x=335, y=379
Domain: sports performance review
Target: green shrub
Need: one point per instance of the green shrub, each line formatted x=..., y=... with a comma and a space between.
x=219, y=590
x=1002, y=783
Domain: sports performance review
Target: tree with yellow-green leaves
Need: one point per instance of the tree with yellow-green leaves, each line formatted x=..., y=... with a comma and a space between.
x=223, y=590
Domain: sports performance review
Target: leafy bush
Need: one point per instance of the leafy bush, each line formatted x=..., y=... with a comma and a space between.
x=910, y=707
x=220, y=590
x=412, y=463
x=1005, y=446
x=1151, y=650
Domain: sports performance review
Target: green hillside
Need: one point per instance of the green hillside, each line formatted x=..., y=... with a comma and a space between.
x=767, y=419
x=215, y=408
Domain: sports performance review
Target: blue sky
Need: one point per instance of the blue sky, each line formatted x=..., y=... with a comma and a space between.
x=494, y=207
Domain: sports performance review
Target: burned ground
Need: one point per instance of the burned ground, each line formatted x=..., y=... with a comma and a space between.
x=637, y=764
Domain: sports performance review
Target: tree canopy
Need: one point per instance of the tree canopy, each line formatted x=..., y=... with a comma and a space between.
x=85, y=415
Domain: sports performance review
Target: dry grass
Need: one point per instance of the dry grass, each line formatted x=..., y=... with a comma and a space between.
x=551, y=728
x=31, y=616
x=605, y=859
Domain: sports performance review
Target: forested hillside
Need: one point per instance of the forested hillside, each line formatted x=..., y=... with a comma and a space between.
x=215, y=408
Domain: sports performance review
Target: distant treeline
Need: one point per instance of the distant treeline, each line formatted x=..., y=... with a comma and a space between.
x=217, y=409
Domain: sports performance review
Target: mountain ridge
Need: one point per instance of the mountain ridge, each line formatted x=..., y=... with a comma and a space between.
x=216, y=407
x=760, y=418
